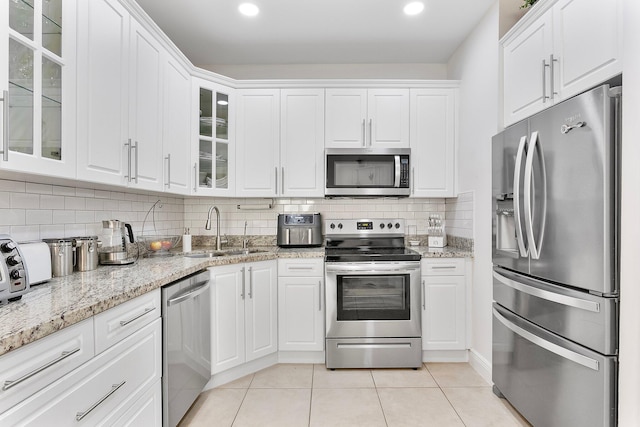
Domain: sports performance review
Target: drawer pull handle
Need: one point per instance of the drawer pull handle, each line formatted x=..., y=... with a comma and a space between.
x=300, y=268
x=443, y=267
x=146, y=310
x=12, y=383
x=114, y=388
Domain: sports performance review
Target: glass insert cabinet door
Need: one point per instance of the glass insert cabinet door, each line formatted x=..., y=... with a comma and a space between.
x=40, y=64
x=212, y=166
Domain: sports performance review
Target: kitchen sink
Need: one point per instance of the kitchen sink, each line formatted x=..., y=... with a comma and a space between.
x=211, y=254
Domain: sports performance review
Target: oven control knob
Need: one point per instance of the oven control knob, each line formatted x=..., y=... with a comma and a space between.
x=340, y=225
x=7, y=247
x=389, y=225
x=14, y=260
x=332, y=226
x=397, y=225
x=17, y=274
x=382, y=225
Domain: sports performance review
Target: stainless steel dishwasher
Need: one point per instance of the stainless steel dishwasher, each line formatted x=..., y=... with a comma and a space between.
x=186, y=344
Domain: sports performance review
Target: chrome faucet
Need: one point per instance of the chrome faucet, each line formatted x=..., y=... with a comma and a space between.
x=245, y=241
x=208, y=226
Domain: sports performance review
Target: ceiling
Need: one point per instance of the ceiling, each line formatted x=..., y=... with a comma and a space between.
x=213, y=32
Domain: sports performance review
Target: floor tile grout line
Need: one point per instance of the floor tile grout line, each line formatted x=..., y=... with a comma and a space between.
x=240, y=407
x=452, y=406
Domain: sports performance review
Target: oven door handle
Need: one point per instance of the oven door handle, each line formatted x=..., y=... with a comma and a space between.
x=370, y=268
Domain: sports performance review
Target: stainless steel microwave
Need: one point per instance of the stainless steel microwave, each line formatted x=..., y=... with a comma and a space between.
x=367, y=172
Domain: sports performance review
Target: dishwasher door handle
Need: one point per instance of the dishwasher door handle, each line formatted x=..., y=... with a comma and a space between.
x=190, y=293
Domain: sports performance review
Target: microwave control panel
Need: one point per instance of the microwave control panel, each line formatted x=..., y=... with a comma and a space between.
x=404, y=171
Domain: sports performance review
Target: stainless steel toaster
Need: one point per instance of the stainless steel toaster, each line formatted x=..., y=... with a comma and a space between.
x=299, y=230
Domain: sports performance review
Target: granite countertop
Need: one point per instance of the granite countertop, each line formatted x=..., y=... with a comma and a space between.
x=64, y=301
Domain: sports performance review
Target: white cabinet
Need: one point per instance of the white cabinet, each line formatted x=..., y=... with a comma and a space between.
x=213, y=148
x=444, y=303
x=300, y=305
x=433, y=142
x=367, y=118
x=559, y=49
x=38, y=51
x=301, y=143
x=103, y=77
x=176, y=128
x=258, y=140
x=243, y=313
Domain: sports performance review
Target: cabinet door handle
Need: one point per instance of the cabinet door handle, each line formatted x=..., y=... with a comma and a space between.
x=413, y=180
x=195, y=177
x=12, y=383
x=242, y=293
x=552, y=89
x=135, y=147
x=276, y=180
x=371, y=132
x=544, y=81
x=146, y=310
x=319, y=295
x=424, y=291
x=128, y=145
x=114, y=388
x=250, y=284
x=168, y=159
x=282, y=179
x=364, y=134
x=5, y=125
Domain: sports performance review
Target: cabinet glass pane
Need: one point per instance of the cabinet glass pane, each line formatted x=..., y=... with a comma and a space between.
x=206, y=165
x=52, y=26
x=51, y=110
x=222, y=115
x=21, y=17
x=20, y=98
x=206, y=112
x=222, y=165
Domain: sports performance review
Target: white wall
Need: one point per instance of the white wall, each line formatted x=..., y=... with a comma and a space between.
x=331, y=71
x=629, y=389
x=476, y=64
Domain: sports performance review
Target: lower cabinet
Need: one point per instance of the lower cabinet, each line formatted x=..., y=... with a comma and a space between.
x=444, y=296
x=300, y=305
x=244, y=320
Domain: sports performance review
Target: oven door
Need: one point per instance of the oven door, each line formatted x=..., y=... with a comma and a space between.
x=373, y=299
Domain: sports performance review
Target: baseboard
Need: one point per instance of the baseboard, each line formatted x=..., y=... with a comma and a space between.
x=445, y=356
x=316, y=357
x=241, y=371
x=481, y=365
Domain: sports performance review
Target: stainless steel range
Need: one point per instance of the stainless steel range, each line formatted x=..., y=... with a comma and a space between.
x=372, y=295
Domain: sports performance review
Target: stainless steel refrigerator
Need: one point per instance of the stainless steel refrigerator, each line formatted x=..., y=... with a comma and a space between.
x=555, y=262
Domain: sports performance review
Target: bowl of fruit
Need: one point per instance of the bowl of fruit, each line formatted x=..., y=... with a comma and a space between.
x=159, y=245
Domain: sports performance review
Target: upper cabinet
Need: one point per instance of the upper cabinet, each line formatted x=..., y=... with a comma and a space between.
x=38, y=87
x=433, y=142
x=367, y=118
x=558, y=50
x=213, y=151
x=301, y=143
x=258, y=142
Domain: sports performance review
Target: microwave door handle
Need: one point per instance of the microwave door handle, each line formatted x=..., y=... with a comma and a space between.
x=516, y=198
x=396, y=183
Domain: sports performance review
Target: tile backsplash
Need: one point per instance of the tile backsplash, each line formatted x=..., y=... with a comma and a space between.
x=30, y=211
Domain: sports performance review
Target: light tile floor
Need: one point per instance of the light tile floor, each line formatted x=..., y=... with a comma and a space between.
x=290, y=395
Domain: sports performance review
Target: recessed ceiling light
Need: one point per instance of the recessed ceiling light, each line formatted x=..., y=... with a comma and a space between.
x=414, y=8
x=248, y=9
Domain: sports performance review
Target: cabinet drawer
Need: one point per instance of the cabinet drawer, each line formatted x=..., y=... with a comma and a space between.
x=300, y=267
x=145, y=411
x=96, y=391
x=443, y=267
x=28, y=369
x=119, y=322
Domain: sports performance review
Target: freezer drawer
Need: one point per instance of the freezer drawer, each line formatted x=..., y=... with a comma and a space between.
x=549, y=380
x=586, y=319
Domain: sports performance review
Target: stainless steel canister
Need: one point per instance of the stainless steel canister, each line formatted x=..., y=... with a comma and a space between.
x=86, y=252
x=61, y=256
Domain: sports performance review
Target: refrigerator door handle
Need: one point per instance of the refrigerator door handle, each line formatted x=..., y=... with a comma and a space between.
x=534, y=247
x=524, y=252
x=554, y=348
x=549, y=296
